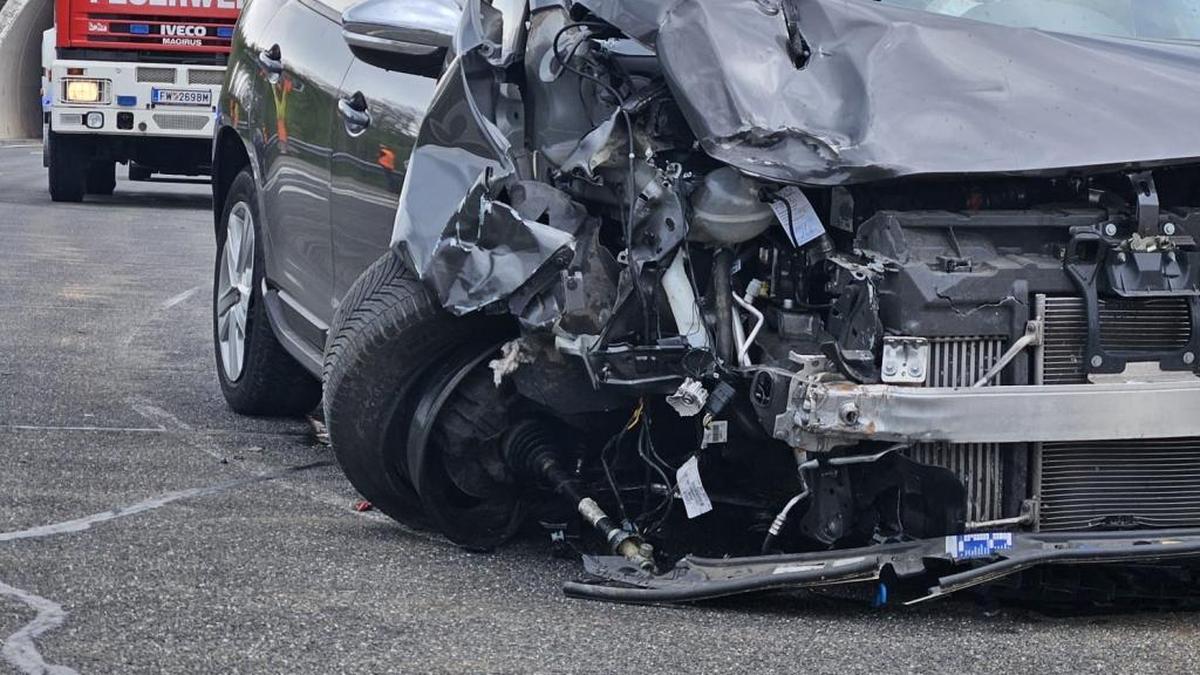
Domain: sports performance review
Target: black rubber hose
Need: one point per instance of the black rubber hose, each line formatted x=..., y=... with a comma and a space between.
x=722, y=286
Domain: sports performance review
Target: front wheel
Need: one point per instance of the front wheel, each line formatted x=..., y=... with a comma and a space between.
x=387, y=336
x=67, y=169
x=257, y=376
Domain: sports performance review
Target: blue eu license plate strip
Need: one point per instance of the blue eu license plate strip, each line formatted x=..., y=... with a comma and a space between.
x=980, y=545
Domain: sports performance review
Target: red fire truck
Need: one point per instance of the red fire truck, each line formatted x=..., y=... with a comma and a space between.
x=132, y=82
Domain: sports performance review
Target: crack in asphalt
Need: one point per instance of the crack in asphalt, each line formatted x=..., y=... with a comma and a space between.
x=19, y=649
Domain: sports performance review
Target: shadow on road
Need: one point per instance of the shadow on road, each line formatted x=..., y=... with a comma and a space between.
x=125, y=196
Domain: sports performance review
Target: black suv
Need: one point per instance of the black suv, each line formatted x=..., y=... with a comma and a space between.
x=820, y=291
x=310, y=155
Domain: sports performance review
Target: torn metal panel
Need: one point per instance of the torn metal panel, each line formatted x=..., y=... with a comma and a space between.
x=500, y=238
x=639, y=19
x=944, y=564
x=483, y=246
x=496, y=241
x=596, y=148
x=887, y=91
x=456, y=145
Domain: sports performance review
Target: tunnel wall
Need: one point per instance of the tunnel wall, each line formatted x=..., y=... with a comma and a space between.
x=21, y=25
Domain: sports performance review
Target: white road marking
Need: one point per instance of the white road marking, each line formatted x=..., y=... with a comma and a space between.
x=86, y=522
x=151, y=430
x=39, y=427
x=19, y=649
x=164, y=419
x=176, y=299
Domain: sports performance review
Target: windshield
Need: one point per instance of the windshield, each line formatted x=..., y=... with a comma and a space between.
x=1145, y=19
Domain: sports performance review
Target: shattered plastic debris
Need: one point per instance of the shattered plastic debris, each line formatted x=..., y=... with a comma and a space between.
x=511, y=358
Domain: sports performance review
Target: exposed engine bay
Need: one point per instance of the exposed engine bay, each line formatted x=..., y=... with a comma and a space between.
x=786, y=315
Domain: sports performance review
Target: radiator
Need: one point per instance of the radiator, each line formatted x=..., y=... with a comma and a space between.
x=1114, y=484
x=1120, y=484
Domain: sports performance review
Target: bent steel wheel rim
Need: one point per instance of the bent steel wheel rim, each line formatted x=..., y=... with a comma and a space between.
x=235, y=281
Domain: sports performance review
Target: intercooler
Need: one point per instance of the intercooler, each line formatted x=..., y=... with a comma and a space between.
x=959, y=362
x=1114, y=484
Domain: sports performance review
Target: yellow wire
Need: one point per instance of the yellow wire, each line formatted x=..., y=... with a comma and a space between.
x=637, y=415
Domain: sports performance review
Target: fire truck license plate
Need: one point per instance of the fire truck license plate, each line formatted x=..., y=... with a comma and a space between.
x=181, y=96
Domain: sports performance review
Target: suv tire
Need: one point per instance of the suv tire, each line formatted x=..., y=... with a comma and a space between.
x=257, y=376
x=386, y=335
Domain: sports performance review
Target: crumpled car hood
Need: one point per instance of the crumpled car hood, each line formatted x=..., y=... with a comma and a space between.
x=889, y=92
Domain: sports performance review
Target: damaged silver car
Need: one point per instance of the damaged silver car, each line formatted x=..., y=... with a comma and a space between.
x=734, y=295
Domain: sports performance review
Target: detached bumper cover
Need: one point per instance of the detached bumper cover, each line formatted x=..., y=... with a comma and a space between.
x=955, y=562
x=1008, y=414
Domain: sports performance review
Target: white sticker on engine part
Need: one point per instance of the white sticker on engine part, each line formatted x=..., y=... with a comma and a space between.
x=695, y=499
x=716, y=432
x=797, y=216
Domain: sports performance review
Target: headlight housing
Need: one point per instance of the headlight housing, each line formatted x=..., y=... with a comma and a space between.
x=78, y=90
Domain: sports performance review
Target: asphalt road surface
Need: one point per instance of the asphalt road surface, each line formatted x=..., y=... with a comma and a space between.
x=146, y=528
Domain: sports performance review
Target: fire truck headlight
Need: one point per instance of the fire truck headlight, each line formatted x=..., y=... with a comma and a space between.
x=94, y=120
x=83, y=91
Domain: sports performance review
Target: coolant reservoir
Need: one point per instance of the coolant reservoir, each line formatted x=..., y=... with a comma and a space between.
x=726, y=209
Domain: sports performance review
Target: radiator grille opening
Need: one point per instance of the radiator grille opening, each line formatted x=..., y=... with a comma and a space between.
x=1141, y=325
x=1120, y=484
x=209, y=77
x=180, y=122
x=156, y=75
x=959, y=362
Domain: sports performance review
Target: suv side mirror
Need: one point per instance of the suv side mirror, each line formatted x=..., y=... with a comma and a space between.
x=406, y=35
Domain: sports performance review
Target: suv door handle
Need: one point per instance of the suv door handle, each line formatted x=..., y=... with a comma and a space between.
x=353, y=110
x=270, y=60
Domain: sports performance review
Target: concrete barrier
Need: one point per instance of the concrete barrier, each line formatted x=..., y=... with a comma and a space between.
x=21, y=25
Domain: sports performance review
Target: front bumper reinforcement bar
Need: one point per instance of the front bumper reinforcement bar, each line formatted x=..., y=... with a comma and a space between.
x=953, y=563
x=1006, y=414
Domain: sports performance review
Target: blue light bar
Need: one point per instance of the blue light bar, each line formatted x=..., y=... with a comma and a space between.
x=127, y=101
x=139, y=28
x=225, y=31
